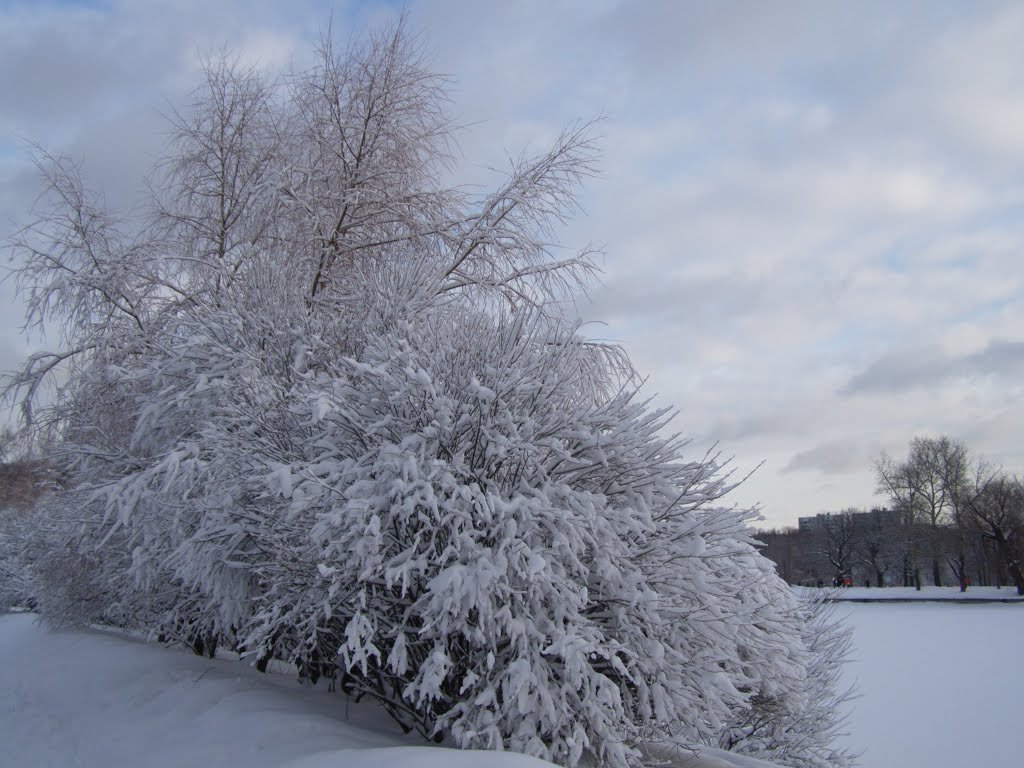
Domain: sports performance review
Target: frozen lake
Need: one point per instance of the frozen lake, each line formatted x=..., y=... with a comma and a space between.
x=940, y=684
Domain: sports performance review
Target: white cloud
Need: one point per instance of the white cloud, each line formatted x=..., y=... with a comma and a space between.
x=791, y=197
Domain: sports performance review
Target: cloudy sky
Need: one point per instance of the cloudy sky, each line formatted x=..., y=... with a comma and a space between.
x=812, y=211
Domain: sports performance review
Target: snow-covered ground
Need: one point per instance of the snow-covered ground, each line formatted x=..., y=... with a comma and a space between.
x=940, y=685
x=90, y=699
x=96, y=700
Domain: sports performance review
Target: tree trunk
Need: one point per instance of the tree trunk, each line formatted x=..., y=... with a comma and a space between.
x=1017, y=576
x=1013, y=569
x=936, y=572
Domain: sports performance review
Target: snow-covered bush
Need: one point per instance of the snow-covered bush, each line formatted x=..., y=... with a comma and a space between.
x=22, y=482
x=328, y=411
x=800, y=726
x=17, y=589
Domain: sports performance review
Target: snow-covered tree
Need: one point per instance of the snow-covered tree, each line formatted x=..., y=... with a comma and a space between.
x=22, y=481
x=320, y=407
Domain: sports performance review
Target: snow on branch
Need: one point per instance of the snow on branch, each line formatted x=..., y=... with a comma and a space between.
x=312, y=404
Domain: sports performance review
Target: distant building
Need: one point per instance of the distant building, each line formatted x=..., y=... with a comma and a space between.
x=879, y=518
x=816, y=523
x=875, y=519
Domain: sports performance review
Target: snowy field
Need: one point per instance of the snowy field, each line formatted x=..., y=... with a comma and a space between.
x=98, y=700
x=940, y=685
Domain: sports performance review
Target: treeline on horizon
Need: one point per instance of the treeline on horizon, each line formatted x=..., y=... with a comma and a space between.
x=951, y=519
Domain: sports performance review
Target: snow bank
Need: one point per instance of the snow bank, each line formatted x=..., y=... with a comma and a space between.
x=91, y=699
x=94, y=700
x=876, y=594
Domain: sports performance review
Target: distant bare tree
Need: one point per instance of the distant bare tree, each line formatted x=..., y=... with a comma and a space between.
x=924, y=487
x=838, y=542
x=900, y=482
x=879, y=551
x=995, y=503
x=943, y=465
x=953, y=462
